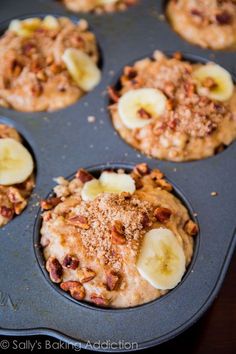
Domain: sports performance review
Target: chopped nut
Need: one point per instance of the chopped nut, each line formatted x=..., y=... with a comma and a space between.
x=99, y=300
x=224, y=18
x=18, y=207
x=14, y=195
x=75, y=288
x=214, y=194
x=145, y=220
x=50, y=203
x=191, y=228
x=54, y=268
x=18, y=201
x=6, y=212
x=70, y=262
x=209, y=83
x=138, y=181
x=178, y=55
x=79, y=221
x=86, y=274
x=130, y=72
x=164, y=185
x=141, y=169
x=113, y=280
x=117, y=233
x=156, y=174
x=83, y=175
x=142, y=113
x=162, y=214
x=113, y=94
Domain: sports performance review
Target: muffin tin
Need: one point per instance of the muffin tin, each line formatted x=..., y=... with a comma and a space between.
x=65, y=140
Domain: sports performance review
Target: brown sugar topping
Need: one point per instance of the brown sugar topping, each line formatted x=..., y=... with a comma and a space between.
x=105, y=212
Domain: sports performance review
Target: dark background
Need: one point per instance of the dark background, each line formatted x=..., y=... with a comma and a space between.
x=214, y=333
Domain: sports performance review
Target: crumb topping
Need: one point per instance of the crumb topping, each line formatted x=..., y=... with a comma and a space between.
x=187, y=112
x=33, y=76
x=102, y=214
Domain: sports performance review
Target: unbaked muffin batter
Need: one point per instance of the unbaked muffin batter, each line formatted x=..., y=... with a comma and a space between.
x=13, y=197
x=95, y=243
x=171, y=109
x=46, y=64
x=208, y=23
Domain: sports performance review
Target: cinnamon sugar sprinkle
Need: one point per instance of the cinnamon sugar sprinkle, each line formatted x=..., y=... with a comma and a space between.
x=102, y=214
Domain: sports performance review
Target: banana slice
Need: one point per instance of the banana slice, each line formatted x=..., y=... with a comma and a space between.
x=50, y=23
x=112, y=182
x=91, y=190
x=161, y=261
x=16, y=163
x=214, y=82
x=26, y=27
x=82, y=68
x=138, y=108
x=109, y=182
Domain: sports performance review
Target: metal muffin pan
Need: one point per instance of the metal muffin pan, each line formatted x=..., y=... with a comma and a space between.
x=63, y=141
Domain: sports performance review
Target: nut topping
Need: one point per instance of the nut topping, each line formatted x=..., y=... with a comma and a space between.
x=6, y=212
x=117, y=233
x=47, y=204
x=79, y=221
x=113, y=280
x=142, y=113
x=75, y=288
x=70, y=262
x=141, y=169
x=86, y=274
x=83, y=175
x=99, y=300
x=162, y=214
x=163, y=184
x=191, y=228
x=156, y=174
x=54, y=268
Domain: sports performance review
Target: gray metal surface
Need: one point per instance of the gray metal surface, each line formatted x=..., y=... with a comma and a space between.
x=62, y=141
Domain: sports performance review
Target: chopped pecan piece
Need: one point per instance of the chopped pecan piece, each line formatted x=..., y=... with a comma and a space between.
x=142, y=113
x=162, y=214
x=141, y=169
x=210, y=83
x=18, y=201
x=70, y=262
x=113, y=94
x=79, y=221
x=83, y=175
x=50, y=203
x=75, y=289
x=113, y=280
x=130, y=72
x=224, y=18
x=18, y=207
x=191, y=228
x=54, y=268
x=6, y=212
x=137, y=179
x=156, y=174
x=99, y=300
x=163, y=184
x=177, y=56
x=145, y=220
x=117, y=233
x=86, y=274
